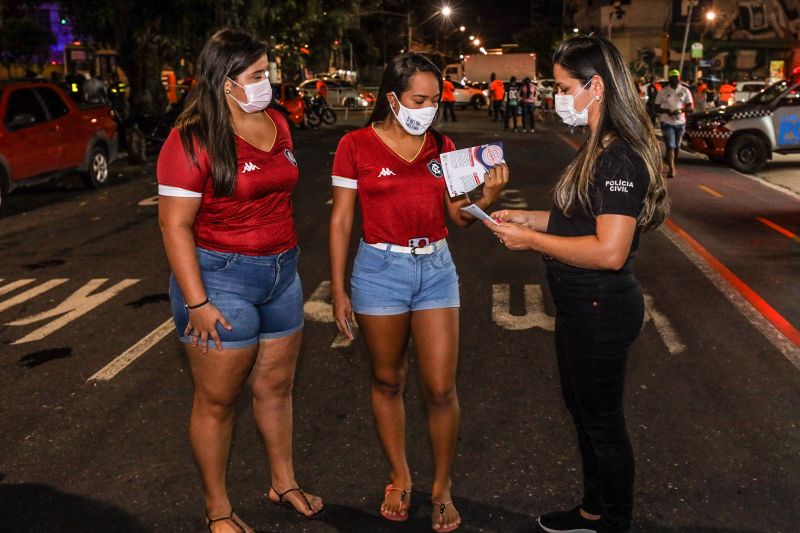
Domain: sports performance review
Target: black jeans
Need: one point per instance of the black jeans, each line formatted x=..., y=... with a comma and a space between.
x=598, y=316
x=449, y=107
x=497, y=109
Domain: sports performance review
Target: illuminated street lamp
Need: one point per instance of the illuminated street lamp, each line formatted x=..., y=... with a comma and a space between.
x=462, y=28
x=575, y=30
x=446, y=11
x=476, y=41
x=711, y=15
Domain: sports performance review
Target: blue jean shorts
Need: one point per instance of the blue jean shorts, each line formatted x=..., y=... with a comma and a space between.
x=391, y=283
x=260, y=296
x=672, y=135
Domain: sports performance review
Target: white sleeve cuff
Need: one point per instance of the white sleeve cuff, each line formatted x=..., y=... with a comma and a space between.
x=167, y=190
x=347, y=183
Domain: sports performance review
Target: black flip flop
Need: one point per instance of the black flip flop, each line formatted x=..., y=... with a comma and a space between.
x=290, y=505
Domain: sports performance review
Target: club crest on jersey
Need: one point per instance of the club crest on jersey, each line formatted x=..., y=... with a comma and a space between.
x=249, y=167
x=436, y=168
x=290, y=156
x=385, y=171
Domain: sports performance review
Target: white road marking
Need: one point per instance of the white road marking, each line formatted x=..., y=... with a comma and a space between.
x=76, y=305
x=132, y=354
x=14, y=285
x=663, y=326
x=29, y=294
x=319, y=309
x=775, y=337
x=535, y=316
x=153, y=200
x=534, y=309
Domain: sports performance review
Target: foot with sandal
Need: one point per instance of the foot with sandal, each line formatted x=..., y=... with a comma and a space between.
x=227, y=523
x=306, y=505
x=396, y=502
x=444, y=516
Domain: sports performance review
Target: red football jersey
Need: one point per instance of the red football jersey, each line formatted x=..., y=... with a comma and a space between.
x=400, y=200
x=257, y=218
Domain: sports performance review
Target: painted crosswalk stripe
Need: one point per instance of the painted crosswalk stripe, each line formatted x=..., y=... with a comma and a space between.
x=134, y=352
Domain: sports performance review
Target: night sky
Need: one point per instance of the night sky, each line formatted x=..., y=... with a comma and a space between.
x=494, y=21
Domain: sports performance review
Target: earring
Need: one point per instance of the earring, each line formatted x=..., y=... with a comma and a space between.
x=597, y=98
x=227, y=91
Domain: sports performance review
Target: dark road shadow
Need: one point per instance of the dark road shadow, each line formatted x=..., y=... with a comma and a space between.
x=34, y=508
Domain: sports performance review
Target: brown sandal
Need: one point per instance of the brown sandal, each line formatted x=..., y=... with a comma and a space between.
x=233, y=517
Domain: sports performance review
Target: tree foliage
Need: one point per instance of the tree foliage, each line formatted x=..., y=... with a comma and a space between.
x=22, y=41
x=151, y=33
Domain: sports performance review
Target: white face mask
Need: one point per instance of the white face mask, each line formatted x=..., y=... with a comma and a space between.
x=565, y=108
x=259, y=95
x=414, y=121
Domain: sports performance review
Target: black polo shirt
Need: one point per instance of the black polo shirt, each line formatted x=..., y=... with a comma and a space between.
x=619, y=187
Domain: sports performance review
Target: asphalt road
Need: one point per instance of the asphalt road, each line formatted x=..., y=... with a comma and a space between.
x=713, y=385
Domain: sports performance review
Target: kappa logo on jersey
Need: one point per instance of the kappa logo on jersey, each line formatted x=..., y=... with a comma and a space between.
x=249, y=167
x=290, y=156
x=436, y=168
x=385, y=171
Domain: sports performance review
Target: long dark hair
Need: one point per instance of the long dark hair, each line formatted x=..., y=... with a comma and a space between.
x=206, y=119
x=397, y=79
x=622, y=116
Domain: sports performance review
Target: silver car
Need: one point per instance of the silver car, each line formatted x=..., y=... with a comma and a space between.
x=340, y=93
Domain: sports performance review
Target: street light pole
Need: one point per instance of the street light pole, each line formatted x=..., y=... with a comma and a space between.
x=686, y=34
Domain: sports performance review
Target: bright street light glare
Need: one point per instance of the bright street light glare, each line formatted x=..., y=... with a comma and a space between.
x=711, y=15
x=471, y=37
x=575, y=30
x=446, y=11
x=476, y=42
x=462, y=28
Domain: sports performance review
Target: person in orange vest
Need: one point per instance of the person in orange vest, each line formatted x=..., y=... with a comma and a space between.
x=322, y=90
x=497, y=92
x=726, y=91
x=448, y=99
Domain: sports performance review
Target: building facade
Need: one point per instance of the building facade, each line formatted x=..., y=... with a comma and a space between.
x=742, y=39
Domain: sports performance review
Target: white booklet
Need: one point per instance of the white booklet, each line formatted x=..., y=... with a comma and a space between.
x=478, y=213
x=464, y=169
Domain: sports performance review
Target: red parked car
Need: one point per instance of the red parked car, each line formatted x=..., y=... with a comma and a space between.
x=44, y=134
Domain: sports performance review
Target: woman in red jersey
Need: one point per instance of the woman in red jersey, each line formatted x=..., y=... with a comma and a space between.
x=404, y=281
x=225, y=180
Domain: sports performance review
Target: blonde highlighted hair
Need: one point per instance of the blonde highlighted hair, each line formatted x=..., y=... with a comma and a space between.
x=622, y=116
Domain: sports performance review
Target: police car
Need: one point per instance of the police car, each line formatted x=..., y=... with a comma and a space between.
x=746, y=135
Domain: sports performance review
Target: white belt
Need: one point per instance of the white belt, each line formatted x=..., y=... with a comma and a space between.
x=422, y=250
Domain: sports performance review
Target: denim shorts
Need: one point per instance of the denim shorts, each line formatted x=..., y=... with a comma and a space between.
x=391, y=283
x=260, y=296
x=672, y=135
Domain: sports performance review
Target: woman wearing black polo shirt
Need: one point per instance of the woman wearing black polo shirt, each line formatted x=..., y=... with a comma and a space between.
x=609, y=194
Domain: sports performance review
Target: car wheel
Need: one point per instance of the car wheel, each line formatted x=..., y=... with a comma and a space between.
x=477, y=102
x=328, y=116
x=746, y=153
x=96, y=175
